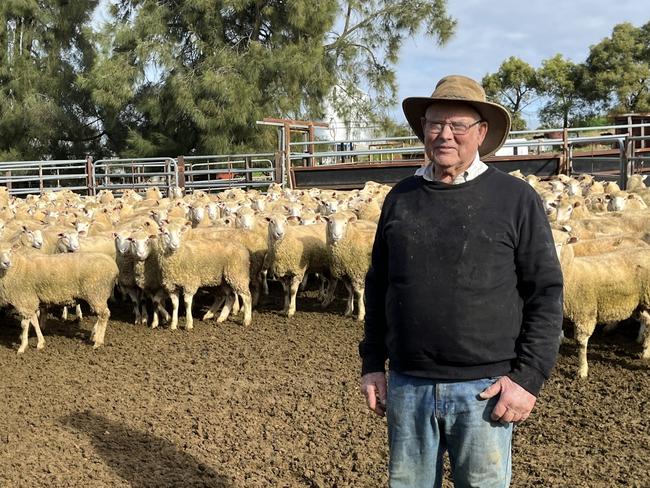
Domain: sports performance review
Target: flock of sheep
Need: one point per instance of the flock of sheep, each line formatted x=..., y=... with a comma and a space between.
x=59, y=248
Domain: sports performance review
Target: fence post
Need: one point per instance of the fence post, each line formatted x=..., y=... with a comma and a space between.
x=90, y=180
x=247, y=166
x=564, y=161
x=180, y=180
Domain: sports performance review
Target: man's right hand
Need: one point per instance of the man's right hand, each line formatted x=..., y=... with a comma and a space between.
x=373, y=387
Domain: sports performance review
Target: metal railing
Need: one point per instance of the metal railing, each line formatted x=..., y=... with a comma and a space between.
x=24, y=177
x=219, y=172
x=137, y=173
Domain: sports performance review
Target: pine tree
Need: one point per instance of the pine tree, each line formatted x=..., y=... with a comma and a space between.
x=44, y=113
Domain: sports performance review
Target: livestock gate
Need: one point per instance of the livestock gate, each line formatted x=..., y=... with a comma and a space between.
x=336, y=164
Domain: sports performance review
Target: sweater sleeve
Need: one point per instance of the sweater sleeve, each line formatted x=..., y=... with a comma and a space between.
x=372, y=348
x=540, y=286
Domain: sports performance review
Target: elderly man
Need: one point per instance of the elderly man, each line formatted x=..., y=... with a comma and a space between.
x=463, y=297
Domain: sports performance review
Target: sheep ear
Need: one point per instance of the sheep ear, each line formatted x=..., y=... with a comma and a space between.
x=268, y=219
x=576, y=204
x=352, y=218
x=60, y=234
x=114, y=235
x=324, y=217
x=572, y=240
x=82, y=233
x=566, y=228
x=15, y=246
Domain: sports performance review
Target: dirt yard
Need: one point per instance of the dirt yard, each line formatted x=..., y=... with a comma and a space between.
x=276, y=405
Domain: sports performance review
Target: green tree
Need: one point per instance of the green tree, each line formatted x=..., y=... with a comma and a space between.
x=560, y=82
x=364, y=49
x=619, y=69
x=513, y=86
x=181, y=77
x=44, y=46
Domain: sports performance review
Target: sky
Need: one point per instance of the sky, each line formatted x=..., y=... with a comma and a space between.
x=488, y=32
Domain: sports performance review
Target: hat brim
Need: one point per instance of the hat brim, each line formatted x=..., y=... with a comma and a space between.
x=495, y=115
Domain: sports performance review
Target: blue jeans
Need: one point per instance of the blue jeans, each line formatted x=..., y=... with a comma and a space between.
x=427, y=417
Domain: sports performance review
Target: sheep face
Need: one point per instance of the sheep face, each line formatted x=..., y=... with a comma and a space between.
x=5, y=257
x=337, y=225
x=171, y=236
x=245, y=221
x=141, y=245
x=197, y=213
x=122, y=242
x=277, y=227
x=617, y=202
x=68, y=241
x=213, y=211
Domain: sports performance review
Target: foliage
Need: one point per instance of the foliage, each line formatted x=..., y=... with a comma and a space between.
x=44, y=46
x=619, y=69
x=560, y=81
x=365, y=48
x=513, y=86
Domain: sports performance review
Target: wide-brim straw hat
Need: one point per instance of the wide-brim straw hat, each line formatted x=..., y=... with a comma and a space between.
x=462, y=89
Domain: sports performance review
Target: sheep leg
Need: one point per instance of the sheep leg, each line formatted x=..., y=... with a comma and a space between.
x=642, y=330
x=361, y=305
x=38, y=321
x=303, y=283
x=265, y=282
x=349, y=309
x=64, y=314
x=216, y=305
x=293, y=290
x=235, y=305
x=286, y=287
x=78, y=314
x=645, y=331
x=24, y=335
x=189, y=320
x=100, y=327
x=255, y=292
x=133, y=295
x=331, y=292
x=248, y=307
x=158, y=301
x=583, y=333
x=175, y=302
x=227, y=306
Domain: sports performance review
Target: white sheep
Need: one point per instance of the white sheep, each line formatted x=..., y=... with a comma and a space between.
x=190, y=264
x=605, y=289
x=293, y=252
x=31, y=282
x=350, y=248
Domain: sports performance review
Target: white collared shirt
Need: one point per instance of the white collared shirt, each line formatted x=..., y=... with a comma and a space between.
x=475, y=169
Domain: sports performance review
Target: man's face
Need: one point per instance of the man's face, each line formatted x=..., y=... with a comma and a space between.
x=444, y=148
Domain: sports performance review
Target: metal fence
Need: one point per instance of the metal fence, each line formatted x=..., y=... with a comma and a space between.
x=612, y=156
x=24, y=177
x=221, y=172
x=138, y=173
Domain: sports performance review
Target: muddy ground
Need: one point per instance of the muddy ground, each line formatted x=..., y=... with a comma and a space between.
x=276, y=404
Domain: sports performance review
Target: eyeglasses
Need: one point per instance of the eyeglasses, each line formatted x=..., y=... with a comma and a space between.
x=457, y=128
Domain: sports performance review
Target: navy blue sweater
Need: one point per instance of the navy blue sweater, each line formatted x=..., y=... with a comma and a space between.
x=464, y=283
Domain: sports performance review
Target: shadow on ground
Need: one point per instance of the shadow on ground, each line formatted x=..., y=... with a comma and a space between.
x=142, y=459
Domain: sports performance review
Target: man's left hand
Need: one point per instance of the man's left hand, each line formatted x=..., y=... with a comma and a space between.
x=515, y=403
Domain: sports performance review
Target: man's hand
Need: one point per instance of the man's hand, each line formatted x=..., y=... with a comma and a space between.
x=515, y=403
x=373, y=387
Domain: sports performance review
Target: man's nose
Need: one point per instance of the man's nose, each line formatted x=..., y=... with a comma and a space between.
x=446, y=132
